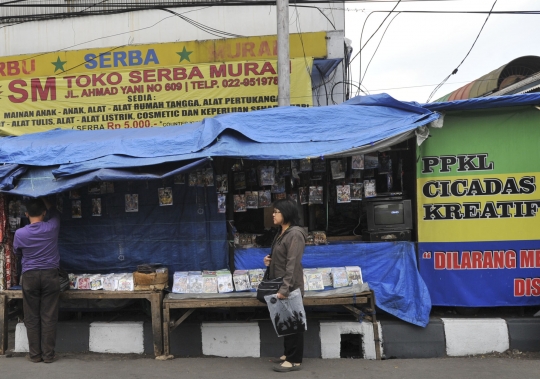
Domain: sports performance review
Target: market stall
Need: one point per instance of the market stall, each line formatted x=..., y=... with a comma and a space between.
x=166, y=203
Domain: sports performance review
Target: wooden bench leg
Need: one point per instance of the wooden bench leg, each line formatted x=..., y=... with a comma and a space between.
x=375, y=328
x=156, y=301
x=3, y=324
x=166, y=329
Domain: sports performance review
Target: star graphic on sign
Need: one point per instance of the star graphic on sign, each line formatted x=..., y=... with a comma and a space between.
x=59, y=65
x=184, y=54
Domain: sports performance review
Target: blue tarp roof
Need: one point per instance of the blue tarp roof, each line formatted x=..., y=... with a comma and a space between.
x=276, y=133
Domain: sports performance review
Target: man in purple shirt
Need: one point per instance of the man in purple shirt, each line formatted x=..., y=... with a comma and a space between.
x=37, y=243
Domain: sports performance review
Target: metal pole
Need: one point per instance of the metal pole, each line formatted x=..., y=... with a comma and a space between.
x=284, y=78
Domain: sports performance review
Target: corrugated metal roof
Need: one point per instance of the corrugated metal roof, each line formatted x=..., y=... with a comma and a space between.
x=490, y=82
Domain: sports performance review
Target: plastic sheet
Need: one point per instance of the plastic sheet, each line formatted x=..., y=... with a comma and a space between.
x=389, y=267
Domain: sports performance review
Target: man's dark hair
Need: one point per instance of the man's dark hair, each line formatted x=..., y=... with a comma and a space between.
x=288, y=210
x=35, y=207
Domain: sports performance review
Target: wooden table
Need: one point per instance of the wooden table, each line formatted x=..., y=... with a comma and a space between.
x=352, y=302
x=154, y=297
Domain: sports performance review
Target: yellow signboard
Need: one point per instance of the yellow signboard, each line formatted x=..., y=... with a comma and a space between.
x=149, y=85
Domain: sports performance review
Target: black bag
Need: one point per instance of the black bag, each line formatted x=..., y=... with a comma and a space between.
x=268, y=286
x=64, y=280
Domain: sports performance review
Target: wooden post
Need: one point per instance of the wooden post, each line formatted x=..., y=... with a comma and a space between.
x=155, y=301
x=3, y=324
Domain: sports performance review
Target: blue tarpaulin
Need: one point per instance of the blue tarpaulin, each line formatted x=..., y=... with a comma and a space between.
x=277, y=133
x=188, y=235
x=389, y=268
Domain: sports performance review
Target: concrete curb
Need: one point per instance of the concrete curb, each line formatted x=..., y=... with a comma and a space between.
x=324, y=339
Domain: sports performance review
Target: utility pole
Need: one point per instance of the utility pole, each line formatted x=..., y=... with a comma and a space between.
x=284, y=75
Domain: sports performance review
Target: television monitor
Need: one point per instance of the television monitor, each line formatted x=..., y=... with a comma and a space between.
x=384, y=215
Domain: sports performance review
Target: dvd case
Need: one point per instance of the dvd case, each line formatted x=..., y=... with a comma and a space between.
x=265, y=199
x=180, y=282
x=370, y=189
x=225, y=281
x=357, y=191
x=338, y=171
x=343, y=194
x=241, y=280
x=255, y=277
x=339, y=277
x=222, y=183
x=252, y=199
x=239, y=203
x=354, y=275
x=315, y=195
x=165, y=196
x=357, y=162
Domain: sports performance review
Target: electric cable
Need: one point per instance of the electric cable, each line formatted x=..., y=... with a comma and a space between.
x=466, y=55
x=379, y=44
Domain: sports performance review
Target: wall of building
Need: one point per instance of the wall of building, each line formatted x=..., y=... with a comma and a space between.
x=157, y=26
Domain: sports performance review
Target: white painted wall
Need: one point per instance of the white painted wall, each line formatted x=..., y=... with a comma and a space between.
x=117, y=337
x=154, y=26
x=330, y=334
x=231, y=339
x=475, y=336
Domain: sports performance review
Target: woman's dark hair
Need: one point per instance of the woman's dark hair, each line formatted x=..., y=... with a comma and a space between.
x=35, y=207
x=288, y=210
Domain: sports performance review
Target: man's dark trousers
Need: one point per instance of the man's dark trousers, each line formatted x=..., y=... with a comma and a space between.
x=41, y=291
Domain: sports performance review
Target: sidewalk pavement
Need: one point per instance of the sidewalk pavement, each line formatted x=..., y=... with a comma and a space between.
x=89, y=366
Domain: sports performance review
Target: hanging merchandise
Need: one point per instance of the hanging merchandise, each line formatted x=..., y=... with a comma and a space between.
x=239, y=180
x=208, y=177
x=239, y=203
x=343, y=193
x=303, y=195
x=266, y=176
x=315, y=195
x=279, y=185
x=221, y=203
x=192, y=179
x=165, y=196
x=252, y=199
x=370, y=188
x=371, y=161
x=200, y=179
x=357, y=162
x=305, y=165
x=222, y=183
x=96, y=207
x=76, y=211
x=338, y=171
x=265, y=199
x=132, y=202
x=357, y=191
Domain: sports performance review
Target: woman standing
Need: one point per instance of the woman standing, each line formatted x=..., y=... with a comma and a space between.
x=286, y=261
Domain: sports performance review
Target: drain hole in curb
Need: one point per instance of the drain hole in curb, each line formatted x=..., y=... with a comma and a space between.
x=351, y=346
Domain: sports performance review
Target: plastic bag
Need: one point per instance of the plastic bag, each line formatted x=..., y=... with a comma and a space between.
x=287, y=315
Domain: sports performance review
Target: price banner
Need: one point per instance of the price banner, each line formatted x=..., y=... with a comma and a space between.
x=148, y=86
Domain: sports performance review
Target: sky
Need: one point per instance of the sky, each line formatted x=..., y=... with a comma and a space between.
x=419, y=51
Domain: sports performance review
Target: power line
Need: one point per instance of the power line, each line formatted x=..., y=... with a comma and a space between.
x=463, y=60
x=380, y=41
